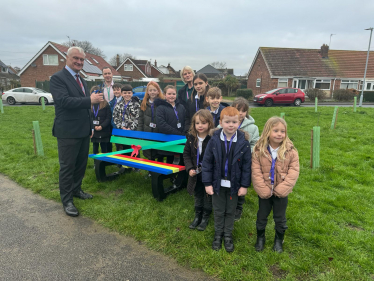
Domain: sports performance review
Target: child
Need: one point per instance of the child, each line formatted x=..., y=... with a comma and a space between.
x=101, y=116
x=275, y=169
x=193, y=155
x=117, y=97
x=226, y=174
x=214, y=98
x=147, y=114
x=247, y=124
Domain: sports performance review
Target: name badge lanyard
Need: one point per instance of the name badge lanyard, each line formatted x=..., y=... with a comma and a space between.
x=108, y=90
x=176, y=114
x=95, y=112
x=196, y=98
x=124, y=111
x=152, y=109
x=272, y=171
x=227, y=154
x=241, y=124
x=214, y=115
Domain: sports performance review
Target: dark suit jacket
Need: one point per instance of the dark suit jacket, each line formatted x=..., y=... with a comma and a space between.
x=72, y=107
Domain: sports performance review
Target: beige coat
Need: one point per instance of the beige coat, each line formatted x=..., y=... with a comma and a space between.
x=286, y=173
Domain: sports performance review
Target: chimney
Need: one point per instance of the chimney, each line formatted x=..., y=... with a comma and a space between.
x=117, y=60
x=155, y=63
x=324, y=51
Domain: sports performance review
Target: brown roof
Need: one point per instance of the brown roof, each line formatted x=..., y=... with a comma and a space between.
x=101, y=62
x=309, y=63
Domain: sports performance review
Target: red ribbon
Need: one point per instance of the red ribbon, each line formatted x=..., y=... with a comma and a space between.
x=136, y=149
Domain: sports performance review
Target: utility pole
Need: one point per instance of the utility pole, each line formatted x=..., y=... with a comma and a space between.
x=366, y=66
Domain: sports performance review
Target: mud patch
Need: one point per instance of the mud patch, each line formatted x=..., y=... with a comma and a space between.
x=278, y=273
x=353, y=227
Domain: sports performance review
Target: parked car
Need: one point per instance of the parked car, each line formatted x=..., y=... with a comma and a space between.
x=280, y=96
x=139, y=92
x=27, y=95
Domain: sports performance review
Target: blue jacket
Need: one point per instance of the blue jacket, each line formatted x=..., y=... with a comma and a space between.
x=240, y=165
x=112, y=104
x=217, y=116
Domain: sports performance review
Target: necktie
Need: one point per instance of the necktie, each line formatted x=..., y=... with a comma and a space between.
x=79, y=83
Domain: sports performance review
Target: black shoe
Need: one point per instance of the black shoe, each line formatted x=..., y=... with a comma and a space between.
x=205, y=221
x=260, y=242
x=217, y=242
x=278, y=242
x=82, y=195
x=228, y=242
x=197, y=220
x=71, y=210
x=238, y=214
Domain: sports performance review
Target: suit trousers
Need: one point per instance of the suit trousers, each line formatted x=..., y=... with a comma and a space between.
x=279, y=206
x=224, y=206
x=72, y=155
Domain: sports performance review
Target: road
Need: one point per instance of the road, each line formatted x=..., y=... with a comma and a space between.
x=39, y=242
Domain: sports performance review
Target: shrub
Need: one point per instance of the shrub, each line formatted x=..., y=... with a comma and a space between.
x=344, y=94
x=313, y=93
x=245, y=93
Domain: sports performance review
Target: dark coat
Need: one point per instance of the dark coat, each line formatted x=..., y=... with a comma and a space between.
x=182, y=96
x=131, y=117
x=240, y=165
x=190, y=159
x=191, y=106
x=217, y=116
x=104, y=116
x=72, y=106
x=166, y=119
x=112, y=104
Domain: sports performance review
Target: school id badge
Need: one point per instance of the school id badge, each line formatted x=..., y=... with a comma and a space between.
x=152, y=125
x=179, y=125
x=199, y=169
x=95, y=122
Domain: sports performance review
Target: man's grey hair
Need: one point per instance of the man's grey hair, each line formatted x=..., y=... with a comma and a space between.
x=79, y=49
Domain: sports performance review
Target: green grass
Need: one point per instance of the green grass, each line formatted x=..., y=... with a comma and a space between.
x=228, y=98
x=330, y=213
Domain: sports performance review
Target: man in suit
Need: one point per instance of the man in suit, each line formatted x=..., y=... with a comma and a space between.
x=72, y=127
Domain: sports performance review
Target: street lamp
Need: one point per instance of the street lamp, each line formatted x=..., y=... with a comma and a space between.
x=366, y=66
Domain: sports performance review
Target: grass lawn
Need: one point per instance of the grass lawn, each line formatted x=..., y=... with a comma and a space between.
x=330, y=213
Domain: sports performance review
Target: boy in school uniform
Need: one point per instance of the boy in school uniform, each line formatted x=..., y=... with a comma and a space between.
x=226, y=174
x=214, y=99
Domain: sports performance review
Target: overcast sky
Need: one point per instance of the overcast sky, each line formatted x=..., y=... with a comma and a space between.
x=181, y=33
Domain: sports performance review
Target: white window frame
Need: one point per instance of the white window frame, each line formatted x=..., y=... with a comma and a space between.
x=89, y=61
x=258, y=82
x=366, y=85
x=322, y=81
x=94, y=60
x=46, y=59
x=282, y=80
x=129, y=66
x=346, y=81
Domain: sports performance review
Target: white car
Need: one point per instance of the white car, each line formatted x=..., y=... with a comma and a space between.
x=27, y=95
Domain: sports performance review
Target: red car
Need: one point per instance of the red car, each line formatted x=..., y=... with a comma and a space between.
x=280, y=96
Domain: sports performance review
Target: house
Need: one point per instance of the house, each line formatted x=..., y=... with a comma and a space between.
x=212, y=72
x=52, y=58
x=310, y=68
x=8, y=77
x=135, y=70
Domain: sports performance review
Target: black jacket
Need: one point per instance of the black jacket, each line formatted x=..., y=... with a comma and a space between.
x=182, y=97
x=240, y=164
x=190, y=159
x=104, y=116
x=145, y=118
x=166, y=119
x=72, y=106
x=192, y=105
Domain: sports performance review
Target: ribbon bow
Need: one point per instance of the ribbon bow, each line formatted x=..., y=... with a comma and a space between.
x=136, y=149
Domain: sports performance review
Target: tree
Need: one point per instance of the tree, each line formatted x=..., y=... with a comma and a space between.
x=113, y=60
x=218, y=64
x=231, y=83
x=86, y=46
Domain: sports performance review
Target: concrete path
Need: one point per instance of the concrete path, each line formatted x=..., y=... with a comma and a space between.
x=39, y=242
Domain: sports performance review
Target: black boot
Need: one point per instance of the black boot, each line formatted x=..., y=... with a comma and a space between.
x=278, y=242
x=260, y=242
x=217, y=242
x=205, y=220
x=228, y=242
x=198, y=217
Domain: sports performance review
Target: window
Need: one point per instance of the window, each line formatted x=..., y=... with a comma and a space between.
x=258, y=82
x=94, y=60
x=282, y=82
x=88, y=61
x=349, y=84
x=26, y=90
x=369, y=86
x=322, y=84
x=128, y=67
x=4, y=69
x=50, y=60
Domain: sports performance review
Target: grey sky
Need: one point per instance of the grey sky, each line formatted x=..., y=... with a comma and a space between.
x=182, y=33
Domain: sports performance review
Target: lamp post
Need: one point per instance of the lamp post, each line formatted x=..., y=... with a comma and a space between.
x=366, y=66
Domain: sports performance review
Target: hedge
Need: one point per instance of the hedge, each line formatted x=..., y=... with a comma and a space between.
x=368, y=96
x=245, y=93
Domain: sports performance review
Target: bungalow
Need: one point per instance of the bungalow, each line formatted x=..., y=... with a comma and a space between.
x=310, y=68
x=52, y=58
x=136, y=70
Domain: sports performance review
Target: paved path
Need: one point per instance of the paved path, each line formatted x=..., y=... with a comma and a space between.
x=39, y=242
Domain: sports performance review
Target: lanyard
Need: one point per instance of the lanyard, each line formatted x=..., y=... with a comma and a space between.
x=241, y=124
x=176, y=113
x=271, y=176
x=214, y=115
x=97, y=111
x=124, y=111
x=108, y=90
x=152, y=108
x=227, y=153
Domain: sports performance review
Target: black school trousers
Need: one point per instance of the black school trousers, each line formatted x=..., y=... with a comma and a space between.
x=279, y=206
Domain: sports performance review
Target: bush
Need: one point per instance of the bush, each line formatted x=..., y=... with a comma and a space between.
x=344, y=94
x=368, y=96
x=313, y=93
x=245, y=93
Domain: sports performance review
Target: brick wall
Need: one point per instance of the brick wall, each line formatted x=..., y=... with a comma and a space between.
x=260, y=71
x=41, y=72
x=135, y=74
